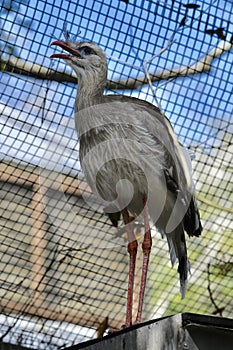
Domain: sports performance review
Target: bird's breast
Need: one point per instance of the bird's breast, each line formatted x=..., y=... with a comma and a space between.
x=119, y=161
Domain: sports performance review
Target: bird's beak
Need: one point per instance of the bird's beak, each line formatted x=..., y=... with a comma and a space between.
x=65, y=47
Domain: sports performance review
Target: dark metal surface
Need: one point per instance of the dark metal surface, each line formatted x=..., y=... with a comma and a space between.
x=182, y=331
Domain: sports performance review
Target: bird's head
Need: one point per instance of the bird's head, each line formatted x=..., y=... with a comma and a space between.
x=86, y=58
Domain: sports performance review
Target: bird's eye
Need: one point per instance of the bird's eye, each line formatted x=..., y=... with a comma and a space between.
x=86, y=50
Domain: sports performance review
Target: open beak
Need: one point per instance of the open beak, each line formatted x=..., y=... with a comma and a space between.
x=65, y=47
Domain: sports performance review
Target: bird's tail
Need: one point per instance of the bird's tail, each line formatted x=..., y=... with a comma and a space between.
x=178, y=250
x=192, y=222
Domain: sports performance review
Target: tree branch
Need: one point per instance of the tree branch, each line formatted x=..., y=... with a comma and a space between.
x=218, y=310
x=19, y=66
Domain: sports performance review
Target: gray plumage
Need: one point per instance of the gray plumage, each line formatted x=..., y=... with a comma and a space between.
x=128, y=149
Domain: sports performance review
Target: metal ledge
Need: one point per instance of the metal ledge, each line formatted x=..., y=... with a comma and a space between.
x=183, y=331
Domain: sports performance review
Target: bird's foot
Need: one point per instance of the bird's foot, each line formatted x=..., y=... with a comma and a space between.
x=115, y=330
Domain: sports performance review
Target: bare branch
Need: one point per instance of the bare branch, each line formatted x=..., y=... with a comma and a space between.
x=201, y=66
x=146, y=62
x=19, y=66
x=218, y=310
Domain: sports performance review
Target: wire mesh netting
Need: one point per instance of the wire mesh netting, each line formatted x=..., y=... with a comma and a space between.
x=63, y=267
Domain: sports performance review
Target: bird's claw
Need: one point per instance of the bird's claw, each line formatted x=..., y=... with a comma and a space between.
x=115, y=330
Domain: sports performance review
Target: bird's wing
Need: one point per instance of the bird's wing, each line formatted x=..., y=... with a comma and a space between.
x=178, y=169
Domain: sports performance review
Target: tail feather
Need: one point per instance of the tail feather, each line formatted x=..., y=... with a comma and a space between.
x=183, y=269
x=178, y=250
x=192, y=222
x=172, y=251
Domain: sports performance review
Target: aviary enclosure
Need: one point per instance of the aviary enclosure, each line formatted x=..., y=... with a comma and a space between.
x=63, y=266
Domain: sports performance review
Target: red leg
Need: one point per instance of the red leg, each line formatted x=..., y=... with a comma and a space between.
x=146, y=247
x=132, y=249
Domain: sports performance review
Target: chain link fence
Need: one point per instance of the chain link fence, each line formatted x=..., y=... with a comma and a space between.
x=63, y=266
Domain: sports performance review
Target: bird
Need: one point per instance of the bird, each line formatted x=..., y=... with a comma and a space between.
x=134, y=163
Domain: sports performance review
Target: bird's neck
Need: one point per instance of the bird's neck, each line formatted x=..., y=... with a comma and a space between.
x=89, y=94
x=86, y=99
